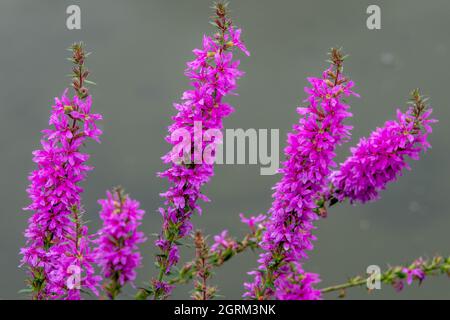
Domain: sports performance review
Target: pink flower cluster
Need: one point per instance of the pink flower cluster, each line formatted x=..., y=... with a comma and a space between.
x=298, y=285
x=309, y=155
x=380, y=159
x=57, y=246
x=213, y=75
x=117, y=251
x=74, y=272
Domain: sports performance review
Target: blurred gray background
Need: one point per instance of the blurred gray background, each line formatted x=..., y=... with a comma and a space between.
x=140, y=49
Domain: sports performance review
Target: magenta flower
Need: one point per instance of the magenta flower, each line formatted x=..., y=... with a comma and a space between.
x=213, y=74
x=298, y=285
x=74, y=270
x=415, y=272
x=398, y=285
x=117, y=252
x=53, y=243
x=309, y=157
x=162, y=287
x=234, y=39
x=253, y=221
x=222, y=242
x=412, y=274
x=174, y=256
x=381, y=158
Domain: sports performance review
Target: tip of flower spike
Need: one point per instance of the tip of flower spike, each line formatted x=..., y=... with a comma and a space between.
x=220, y=18
x=78, y=53
x=119, y=190
x=336, y=56
x=79, y=71
x=418, y=102
x=220, y=8
x=334, y=73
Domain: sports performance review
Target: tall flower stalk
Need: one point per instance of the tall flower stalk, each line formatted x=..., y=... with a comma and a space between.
x=117, y=251
x=213, y=74
x=309, y=156
x=381, y=158
x=57, y=251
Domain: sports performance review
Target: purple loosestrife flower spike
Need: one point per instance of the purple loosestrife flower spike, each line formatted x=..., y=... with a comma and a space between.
x=380, y=159
x=117, y=251
x=213, y=74
x=309, y=155
x=57, y=251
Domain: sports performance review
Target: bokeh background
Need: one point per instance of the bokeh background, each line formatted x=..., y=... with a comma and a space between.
x=140, y=49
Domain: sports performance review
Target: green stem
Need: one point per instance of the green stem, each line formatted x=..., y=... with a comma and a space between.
x=396, y=275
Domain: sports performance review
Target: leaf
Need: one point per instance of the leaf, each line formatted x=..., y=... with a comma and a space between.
x=25, y=291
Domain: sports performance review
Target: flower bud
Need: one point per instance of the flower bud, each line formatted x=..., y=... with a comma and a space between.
x=68, y=109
